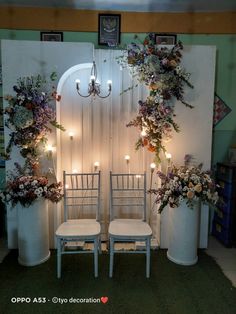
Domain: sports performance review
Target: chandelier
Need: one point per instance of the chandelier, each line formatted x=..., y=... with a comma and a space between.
x=93, y=86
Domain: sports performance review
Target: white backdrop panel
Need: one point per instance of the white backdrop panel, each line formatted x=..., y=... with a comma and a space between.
x=27, y=58
x=195, y=135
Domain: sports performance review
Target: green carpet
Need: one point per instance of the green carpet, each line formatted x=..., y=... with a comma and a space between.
x=172, y=289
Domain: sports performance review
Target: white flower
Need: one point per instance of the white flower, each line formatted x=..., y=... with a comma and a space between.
x=37, y=192
x=40, y=189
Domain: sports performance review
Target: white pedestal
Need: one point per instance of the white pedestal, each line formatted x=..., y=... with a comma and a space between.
x=183, y=234
x=33, y=233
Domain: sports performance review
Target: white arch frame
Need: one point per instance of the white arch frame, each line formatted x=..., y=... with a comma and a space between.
x=61, y=82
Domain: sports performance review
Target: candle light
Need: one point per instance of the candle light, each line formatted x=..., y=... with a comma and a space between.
x=143, y=133
x=168, y=156
x=71, y=134
x=127, y=158
x=96, y=165
x=50, y=149
x=152, y=166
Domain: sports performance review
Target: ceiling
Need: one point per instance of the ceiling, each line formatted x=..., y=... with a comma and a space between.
x=132, y=5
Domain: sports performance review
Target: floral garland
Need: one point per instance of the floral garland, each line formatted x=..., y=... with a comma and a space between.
x=30, y=116
x=158, y=68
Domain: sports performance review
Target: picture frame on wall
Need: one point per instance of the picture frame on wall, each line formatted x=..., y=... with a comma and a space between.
x=165, y=39
x=51, y=36
x=109, y=29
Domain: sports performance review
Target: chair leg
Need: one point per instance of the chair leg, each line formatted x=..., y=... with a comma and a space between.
x=96, y=257
x=111, y=257
x=148, y=244
x=58, y=258
x=100, y=245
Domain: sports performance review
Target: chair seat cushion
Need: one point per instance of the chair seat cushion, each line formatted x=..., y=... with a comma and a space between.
x=129, y=228
x=79, y=228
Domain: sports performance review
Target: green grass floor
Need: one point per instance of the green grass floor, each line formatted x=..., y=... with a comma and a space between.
x=172, y=289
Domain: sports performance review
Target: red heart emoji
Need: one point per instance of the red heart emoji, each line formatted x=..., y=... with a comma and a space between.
x=104, y=300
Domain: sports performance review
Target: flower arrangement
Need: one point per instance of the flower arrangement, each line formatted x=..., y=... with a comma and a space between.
x=30, y=116
x=25, y=189
x=186, y=182
x=160, y=69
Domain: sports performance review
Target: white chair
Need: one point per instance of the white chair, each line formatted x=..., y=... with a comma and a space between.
x=81, y=195
x=128, y=191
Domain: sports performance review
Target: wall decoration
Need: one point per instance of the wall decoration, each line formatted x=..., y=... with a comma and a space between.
x=109, y=29
x=165, y=39
x=220, y=110
x=51, y=36
x=159, y=68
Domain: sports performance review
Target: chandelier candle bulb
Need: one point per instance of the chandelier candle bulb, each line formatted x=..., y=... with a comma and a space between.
x=92, y=79
x=77, y=82
x=109, y=83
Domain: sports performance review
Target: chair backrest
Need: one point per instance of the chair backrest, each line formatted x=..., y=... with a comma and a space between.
x=127, y=191
x=81, y=195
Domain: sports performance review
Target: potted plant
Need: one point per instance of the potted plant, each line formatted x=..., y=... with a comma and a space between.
x=183, y=189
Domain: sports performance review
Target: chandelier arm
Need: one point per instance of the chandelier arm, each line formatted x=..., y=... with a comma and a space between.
x=83, y=95
x=104, y=96
x=94, y=86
